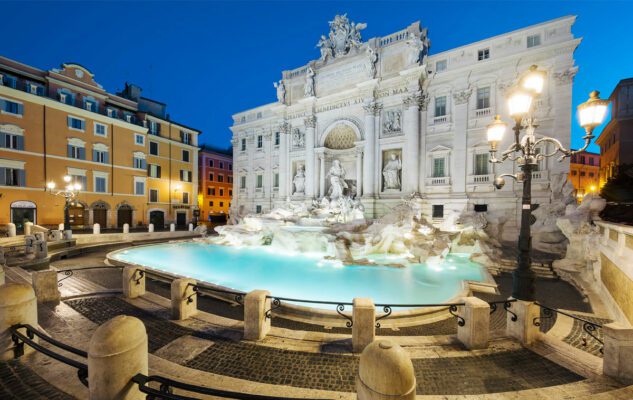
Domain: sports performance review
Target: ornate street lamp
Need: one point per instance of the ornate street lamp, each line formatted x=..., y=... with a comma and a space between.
x=68, y=193
x=524, y=152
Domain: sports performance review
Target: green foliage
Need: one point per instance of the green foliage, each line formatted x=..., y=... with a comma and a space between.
x=619, y=188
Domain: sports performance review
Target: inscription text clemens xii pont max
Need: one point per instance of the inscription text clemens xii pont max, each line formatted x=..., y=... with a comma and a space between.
x=329, y=80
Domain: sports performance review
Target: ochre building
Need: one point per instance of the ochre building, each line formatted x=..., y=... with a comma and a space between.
x=133, y=163
x=216, y=183
x=584, y=173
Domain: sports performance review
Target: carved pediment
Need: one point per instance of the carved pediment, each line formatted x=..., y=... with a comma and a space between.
x=440, y=149
x=78, y=73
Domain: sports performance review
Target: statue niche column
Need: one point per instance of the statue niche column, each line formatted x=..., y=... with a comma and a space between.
x=458, y=157
x=310, y=172
x=412, y=139
x=372, y=109
x=284, y=130
x=359, y=171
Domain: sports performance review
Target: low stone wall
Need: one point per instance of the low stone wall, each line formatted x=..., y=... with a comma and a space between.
x=614, y=270
x=133, y=236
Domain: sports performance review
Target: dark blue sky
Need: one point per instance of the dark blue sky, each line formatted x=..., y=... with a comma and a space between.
x=208, y=60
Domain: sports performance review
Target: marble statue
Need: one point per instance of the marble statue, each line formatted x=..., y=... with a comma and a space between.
x=418, y=49
x=299, y=180
x=281, y=91
x=373, y=58
x=308, y=90
x=392, y=122
x=344, y=36
x=298, y=138
x=391, y=172
x=326, y=48
x=337, y=181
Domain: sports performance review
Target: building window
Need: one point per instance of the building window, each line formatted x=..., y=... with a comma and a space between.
x=481, y=164
x=211, y=163
x=591, y=174
x=277, y=138
x=221, y=192
x=211, y=191
x=15, y=142
x=100, y=156
x=153, y=195
x=220, y=178
x=243, y=144
x=481, y=207
x=242, y=182
x=230, y=179
x=438, y=210
x=221, y=165
x=185, y=175
x=260, y=141
x=259, y=115
x=211, y=203
x=90, y=105
x=35, y=89
x=211, y=177
x=11, y=107
x=185, y=198
x=154, y=128
x=574, y=173
x=230, y=192
x=533, y=40
x=258, y=209
x=154, y=171
x=590, y=160
x=582, y=173
x=82, y=180
x=76, y=124
x=483, y=98
x=185, y=155
x=440, y=106
x=100, y=184
x=185, y=137
x=483, y=54
x=139, y=163
x=438, y=167
x=221, y=204
x=13, y=177
x=76, y=152
x=260, y=181
x=276, y=180
x=230, y=167
x=139, y=139
x=440, y=66
x=112, y=113
x=153, y=148
x=100, y=129
x=10, y=81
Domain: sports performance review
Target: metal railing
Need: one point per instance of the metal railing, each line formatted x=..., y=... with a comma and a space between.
x=70, y=272
x=238, y=297
x=20, y=339
x=589, y=327
x=340, y=306
x=452, y=309
x=507, y=304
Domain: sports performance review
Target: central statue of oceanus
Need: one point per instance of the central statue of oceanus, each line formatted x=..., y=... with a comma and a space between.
x=344, y=36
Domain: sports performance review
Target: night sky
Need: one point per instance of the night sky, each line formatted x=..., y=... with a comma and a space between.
x=208, y=60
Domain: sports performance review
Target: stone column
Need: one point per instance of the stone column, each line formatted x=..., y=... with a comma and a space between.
x=359, y=171
x=411, y=155
x=458, y=156
x=474, y=333
x=422, y=151
x=618, y=352
x=523, y=329
x=385, y=371
x=310, y=124
x=364, y=323
x=18, y=305
x=322, y=175
x=45, y=286
x=372, y=109
x=256, y=325
x=283, y=161
x=116, y=353
x=183, y=305
x=133, y=281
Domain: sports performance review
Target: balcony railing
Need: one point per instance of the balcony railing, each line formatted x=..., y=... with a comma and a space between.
x=482, y=112
x=442, y=119
x=438, y=181
x=540, y=175
x=480, y=178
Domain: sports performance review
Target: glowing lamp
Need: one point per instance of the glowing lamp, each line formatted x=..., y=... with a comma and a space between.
x=495, y=131
x=67, y=178
x=519, y=102
x=534, y=80
x=77, y=186
x=592, y=112
x=50, y=185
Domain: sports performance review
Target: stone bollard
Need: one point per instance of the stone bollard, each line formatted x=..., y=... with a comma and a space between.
x=28, y=228
x=385, y=372
x=172, y=228
x=40, y=236
x=29, y=244
x=190, y=227
x=56, y=235
x=183, y=305
x=150, y=228
x=96, y=229
x=474, y=333
x=117, y=352
x=256, y=325
x=18, y=305
x=126, y=228
x=41, y=249
x=618, y=352
x=523, y=329
x=133, y=282
x=67, y=235
x=11, y=231
x=364, y=323
x=45, y=286
x=60, y=227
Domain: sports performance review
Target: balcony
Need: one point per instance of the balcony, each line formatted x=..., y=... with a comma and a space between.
x=438, y=181
x=540, y=175
x=483, y=112
x=442, y=119
x=474, y=179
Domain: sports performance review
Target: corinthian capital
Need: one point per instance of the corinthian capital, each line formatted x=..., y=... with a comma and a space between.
x=309, y=121
x=284, y=127
x=565, y=77
x=372, y=108
x=462, y=96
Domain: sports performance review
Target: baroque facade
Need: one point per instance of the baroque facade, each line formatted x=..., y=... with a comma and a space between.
x=384, y=119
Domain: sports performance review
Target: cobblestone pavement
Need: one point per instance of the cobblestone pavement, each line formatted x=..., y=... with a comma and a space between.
x=19, y=382
x=580, y=339
x=504, y=371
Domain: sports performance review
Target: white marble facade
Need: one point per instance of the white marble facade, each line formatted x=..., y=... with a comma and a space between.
x=401, y=120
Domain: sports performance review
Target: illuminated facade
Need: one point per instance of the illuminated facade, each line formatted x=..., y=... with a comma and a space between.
x=134, y=164
x=216, y=182
x=584, y=173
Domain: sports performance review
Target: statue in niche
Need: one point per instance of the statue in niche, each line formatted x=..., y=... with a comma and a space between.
x=308, y=90
x=298, y=138
x=419, y=49
x=391, y=172
x=392, y=122
x=299, y=180
x=337, y=181
x=373, y=58
x=281, y=91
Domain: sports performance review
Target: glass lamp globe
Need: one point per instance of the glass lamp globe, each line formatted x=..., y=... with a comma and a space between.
x=77, y=186
x=534, y=80
x=50, y=185
x=592, y=112
x=67, y=178
x=519, y=102
x=495, y=131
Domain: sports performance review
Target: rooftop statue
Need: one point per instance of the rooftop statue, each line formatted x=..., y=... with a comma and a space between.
x=344, y=36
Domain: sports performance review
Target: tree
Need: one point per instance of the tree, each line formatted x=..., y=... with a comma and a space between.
x=619, y=188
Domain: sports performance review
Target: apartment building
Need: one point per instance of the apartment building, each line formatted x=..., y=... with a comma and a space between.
x=216, y=182
x=584, y=173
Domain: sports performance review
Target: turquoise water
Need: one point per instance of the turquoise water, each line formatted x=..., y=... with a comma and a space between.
x=306, y=276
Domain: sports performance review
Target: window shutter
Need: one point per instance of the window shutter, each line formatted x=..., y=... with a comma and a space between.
x=190, y=176
x=182, y=136
x=20, y=142
x=157, y=128
x=158, y=171
x=70, y=151
x=68, y=122
x=105, y=157
x=143, y=164
x=84, y=183
x=83, y=125
x=3, y=139
x=95, y=156
x=21, y=177
x=181, y=174
x=82, y=153
x=3, y=176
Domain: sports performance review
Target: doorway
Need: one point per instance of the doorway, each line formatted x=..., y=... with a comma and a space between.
x=181, y=220
x=157, y=218
x=77, y=213
x=21, y=213
x=100, y=214
x=124, y=215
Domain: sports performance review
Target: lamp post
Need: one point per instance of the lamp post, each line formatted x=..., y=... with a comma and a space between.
x=523, y=151
x=68, y=193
